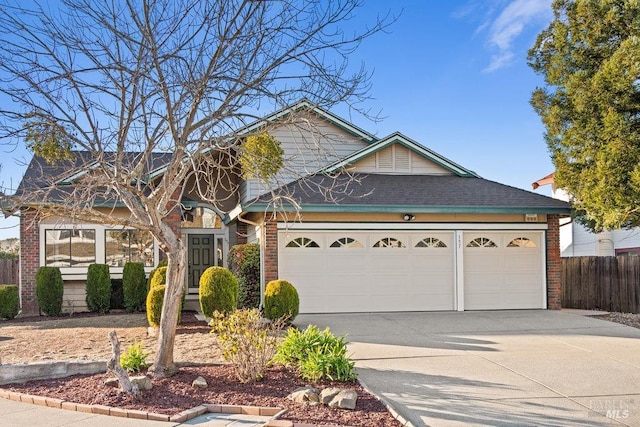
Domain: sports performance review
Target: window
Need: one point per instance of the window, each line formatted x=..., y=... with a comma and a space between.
x=431, y=242
x=482, y=242
x=521, y=242
x=346, y=242
x=389, y=242
x=302, y=242
x=70, y=248
x=123, y=246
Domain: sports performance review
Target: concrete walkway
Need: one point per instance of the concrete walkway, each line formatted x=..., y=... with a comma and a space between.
x=537, y=368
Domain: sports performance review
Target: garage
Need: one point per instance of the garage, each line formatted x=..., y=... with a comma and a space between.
x=365, y=271
x=503, y=270
x=416, y=270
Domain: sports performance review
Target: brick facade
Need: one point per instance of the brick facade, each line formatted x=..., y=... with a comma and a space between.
x=554, y=263
x=241, y=233
x=271, y=250
x=29, y=259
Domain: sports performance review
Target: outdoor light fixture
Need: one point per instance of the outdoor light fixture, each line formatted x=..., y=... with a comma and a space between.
x=409, y=217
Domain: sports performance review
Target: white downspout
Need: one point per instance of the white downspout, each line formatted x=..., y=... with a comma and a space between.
x=262, y=251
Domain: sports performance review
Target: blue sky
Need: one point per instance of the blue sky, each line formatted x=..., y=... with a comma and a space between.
x=451, y=75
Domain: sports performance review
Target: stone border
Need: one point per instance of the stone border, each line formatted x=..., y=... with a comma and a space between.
x=180, y=417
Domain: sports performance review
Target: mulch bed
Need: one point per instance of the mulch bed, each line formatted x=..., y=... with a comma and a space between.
x=175, y=394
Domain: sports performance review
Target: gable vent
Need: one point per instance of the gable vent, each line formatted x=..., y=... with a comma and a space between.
x=385, y=160
x=402, y=160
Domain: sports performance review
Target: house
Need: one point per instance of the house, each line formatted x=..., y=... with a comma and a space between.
x=577, y=240
x=377, y=224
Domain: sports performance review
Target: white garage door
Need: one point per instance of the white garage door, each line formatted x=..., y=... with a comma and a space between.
x=503, y=270
x=363, y=271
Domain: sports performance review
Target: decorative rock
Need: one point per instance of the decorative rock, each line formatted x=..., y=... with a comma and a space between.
x=112, y=382
x=199, y=383
x=143, y=382
x=328, y=394
x=304, y=395
x=346, y=399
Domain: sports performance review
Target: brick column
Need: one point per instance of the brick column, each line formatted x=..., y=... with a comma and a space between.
x=270, y=250
x=554, y=263
x=29, y=259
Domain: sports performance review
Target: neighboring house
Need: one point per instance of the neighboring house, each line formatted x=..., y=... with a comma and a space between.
x=577, y=240
x=407, y=230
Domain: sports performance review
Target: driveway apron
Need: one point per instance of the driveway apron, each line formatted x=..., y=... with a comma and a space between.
x=495, y=368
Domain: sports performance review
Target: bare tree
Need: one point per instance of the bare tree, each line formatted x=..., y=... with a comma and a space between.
x=126, y=80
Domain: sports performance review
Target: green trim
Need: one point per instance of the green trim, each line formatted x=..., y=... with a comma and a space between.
x=262, y=207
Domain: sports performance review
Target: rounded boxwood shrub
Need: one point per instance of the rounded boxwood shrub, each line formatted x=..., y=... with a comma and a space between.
x=98, y=288
x=158, y=277
x=244, y=263
x=162, y=263
x=217, y=291
x=281, y=299
x=49, y=290
x=134, y=286
x=155, y=298
x=9, y=301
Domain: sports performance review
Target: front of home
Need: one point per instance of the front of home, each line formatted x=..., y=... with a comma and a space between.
x=372, y=224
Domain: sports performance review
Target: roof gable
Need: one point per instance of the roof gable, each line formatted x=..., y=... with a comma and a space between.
x=307, y=105
x=444, y=164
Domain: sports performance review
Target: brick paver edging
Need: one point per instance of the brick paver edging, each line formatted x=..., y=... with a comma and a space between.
x=180, y=417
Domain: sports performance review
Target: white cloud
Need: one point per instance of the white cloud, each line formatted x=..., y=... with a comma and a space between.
x=511, y=21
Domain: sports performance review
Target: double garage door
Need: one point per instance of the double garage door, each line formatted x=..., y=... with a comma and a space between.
x=368, y=271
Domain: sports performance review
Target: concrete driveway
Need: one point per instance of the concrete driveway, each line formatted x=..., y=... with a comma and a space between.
x=533, y=367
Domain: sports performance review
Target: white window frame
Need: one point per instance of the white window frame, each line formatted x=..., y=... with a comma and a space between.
x=80, y=273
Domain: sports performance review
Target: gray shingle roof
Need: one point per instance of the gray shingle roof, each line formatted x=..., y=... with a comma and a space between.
x=438, y=192
x=40, y=174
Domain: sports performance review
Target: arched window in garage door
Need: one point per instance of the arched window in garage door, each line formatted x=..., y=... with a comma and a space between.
x=522, y=242
x=431, y=242
x=346, y=242
x=389, y=242
x=302, y=242
x=482, y=242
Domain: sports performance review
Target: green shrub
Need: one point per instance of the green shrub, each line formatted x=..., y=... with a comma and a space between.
x=116, y=301
x=244, y=263
x=162, y=263
x=316, y=355
x=158, y=277
x=98, y=288
x=134, y=284
x=246, y=342
x=218, y=291
x=49, y=290
x=154, y=301
x=155, y=297
x=280, y=300
x=9, y=301
x=134, y=359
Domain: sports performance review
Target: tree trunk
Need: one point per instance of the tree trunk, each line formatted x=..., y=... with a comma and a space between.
x=114, y=366
x=164, y=365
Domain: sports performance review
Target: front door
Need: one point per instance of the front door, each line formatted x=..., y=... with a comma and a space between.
x=201, y=256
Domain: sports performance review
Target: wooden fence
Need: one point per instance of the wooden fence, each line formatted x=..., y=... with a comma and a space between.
x=601, y=283
x=9, y=272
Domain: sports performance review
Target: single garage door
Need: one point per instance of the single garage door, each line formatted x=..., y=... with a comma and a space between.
x=503, y=270
x=368, y=271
